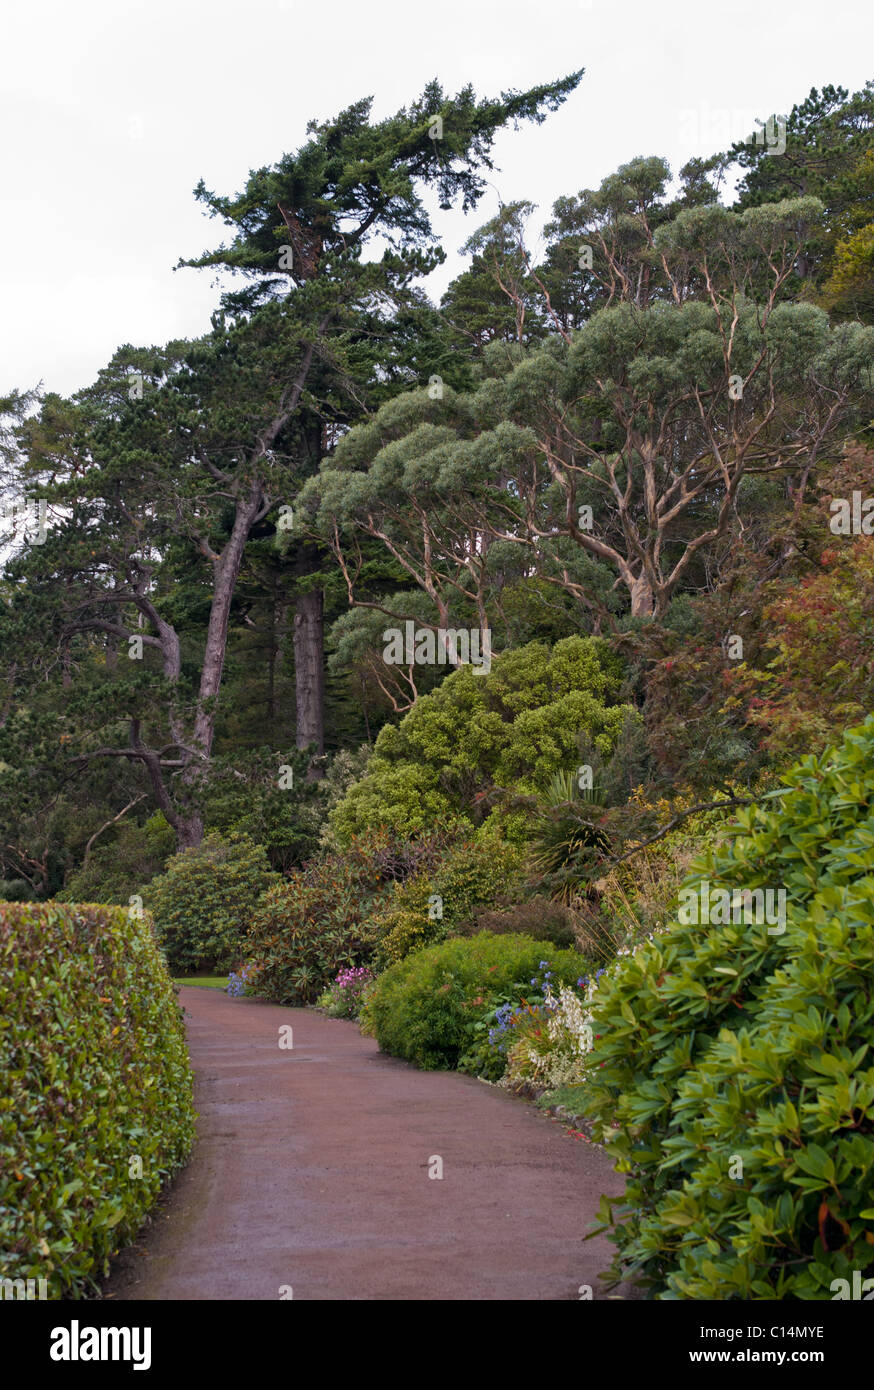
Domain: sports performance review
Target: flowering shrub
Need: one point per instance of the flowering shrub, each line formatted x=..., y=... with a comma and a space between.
x=537, y=1038
x=549, y=1047
x=244, y=983
x=429, y=1008
x=343, y=998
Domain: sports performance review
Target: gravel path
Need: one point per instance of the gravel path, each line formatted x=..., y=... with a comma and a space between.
x=311, y=1175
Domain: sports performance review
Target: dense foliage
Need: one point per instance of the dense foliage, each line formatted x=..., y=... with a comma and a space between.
x=472, y=876
x=117, y=871
x=512, y=727
x=733, y=1079
x=440, y=641
x=426, y=1008
x=308, y=926
x=203, y=901
x=96, y=1110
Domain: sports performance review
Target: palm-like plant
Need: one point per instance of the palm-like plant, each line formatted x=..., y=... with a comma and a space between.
x=568, y=840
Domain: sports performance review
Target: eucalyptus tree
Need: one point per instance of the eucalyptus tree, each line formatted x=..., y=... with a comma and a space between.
x=629, y=440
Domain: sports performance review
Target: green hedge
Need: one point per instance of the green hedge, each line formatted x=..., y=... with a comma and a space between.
x=94, y=1073
x=734, y=1072
x=425, y=1008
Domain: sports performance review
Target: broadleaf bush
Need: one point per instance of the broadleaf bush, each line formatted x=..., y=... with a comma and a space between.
x=445, y=899
x=315, y=922
x=95, y=1073
x=733, y=1079
x=204, y=900
x=426, y=1007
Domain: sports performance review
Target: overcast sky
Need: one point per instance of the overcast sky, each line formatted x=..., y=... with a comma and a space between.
x=111, y=110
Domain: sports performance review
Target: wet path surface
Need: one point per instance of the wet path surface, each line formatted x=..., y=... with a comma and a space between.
x=311, y=1174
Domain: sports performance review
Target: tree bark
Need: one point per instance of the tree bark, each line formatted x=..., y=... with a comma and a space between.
x=642, y=602
x=309, y=673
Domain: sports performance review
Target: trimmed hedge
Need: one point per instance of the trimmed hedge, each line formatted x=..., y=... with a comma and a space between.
x=94, y=1073
x=425, y=1008
x=733, y=1077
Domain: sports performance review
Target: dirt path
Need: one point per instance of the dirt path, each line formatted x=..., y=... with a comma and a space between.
x=311, y=1172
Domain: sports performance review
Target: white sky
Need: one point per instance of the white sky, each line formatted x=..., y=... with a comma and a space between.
x=111, y=110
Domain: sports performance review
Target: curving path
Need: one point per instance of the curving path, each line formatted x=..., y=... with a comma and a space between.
x=311, y=1172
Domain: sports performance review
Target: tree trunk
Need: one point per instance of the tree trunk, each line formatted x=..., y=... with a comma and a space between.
x=272, y=655
x=226, y=568
x=309, y=673
x=189, y=831
x=642, y=602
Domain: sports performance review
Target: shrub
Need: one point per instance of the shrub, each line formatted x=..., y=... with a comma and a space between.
x=815, y=674
x=346, y=767
x=476, y=875
x=540, y=918
x=408, y=921
x=431, y=905
x=425, y=1007
x=515, y=727
x=204, y=900
x=403, y=859
x=733, y=1077
x=343, y=998
x=307, y=927
x=119, y=867
x=95, y=1070
x=15, y=890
